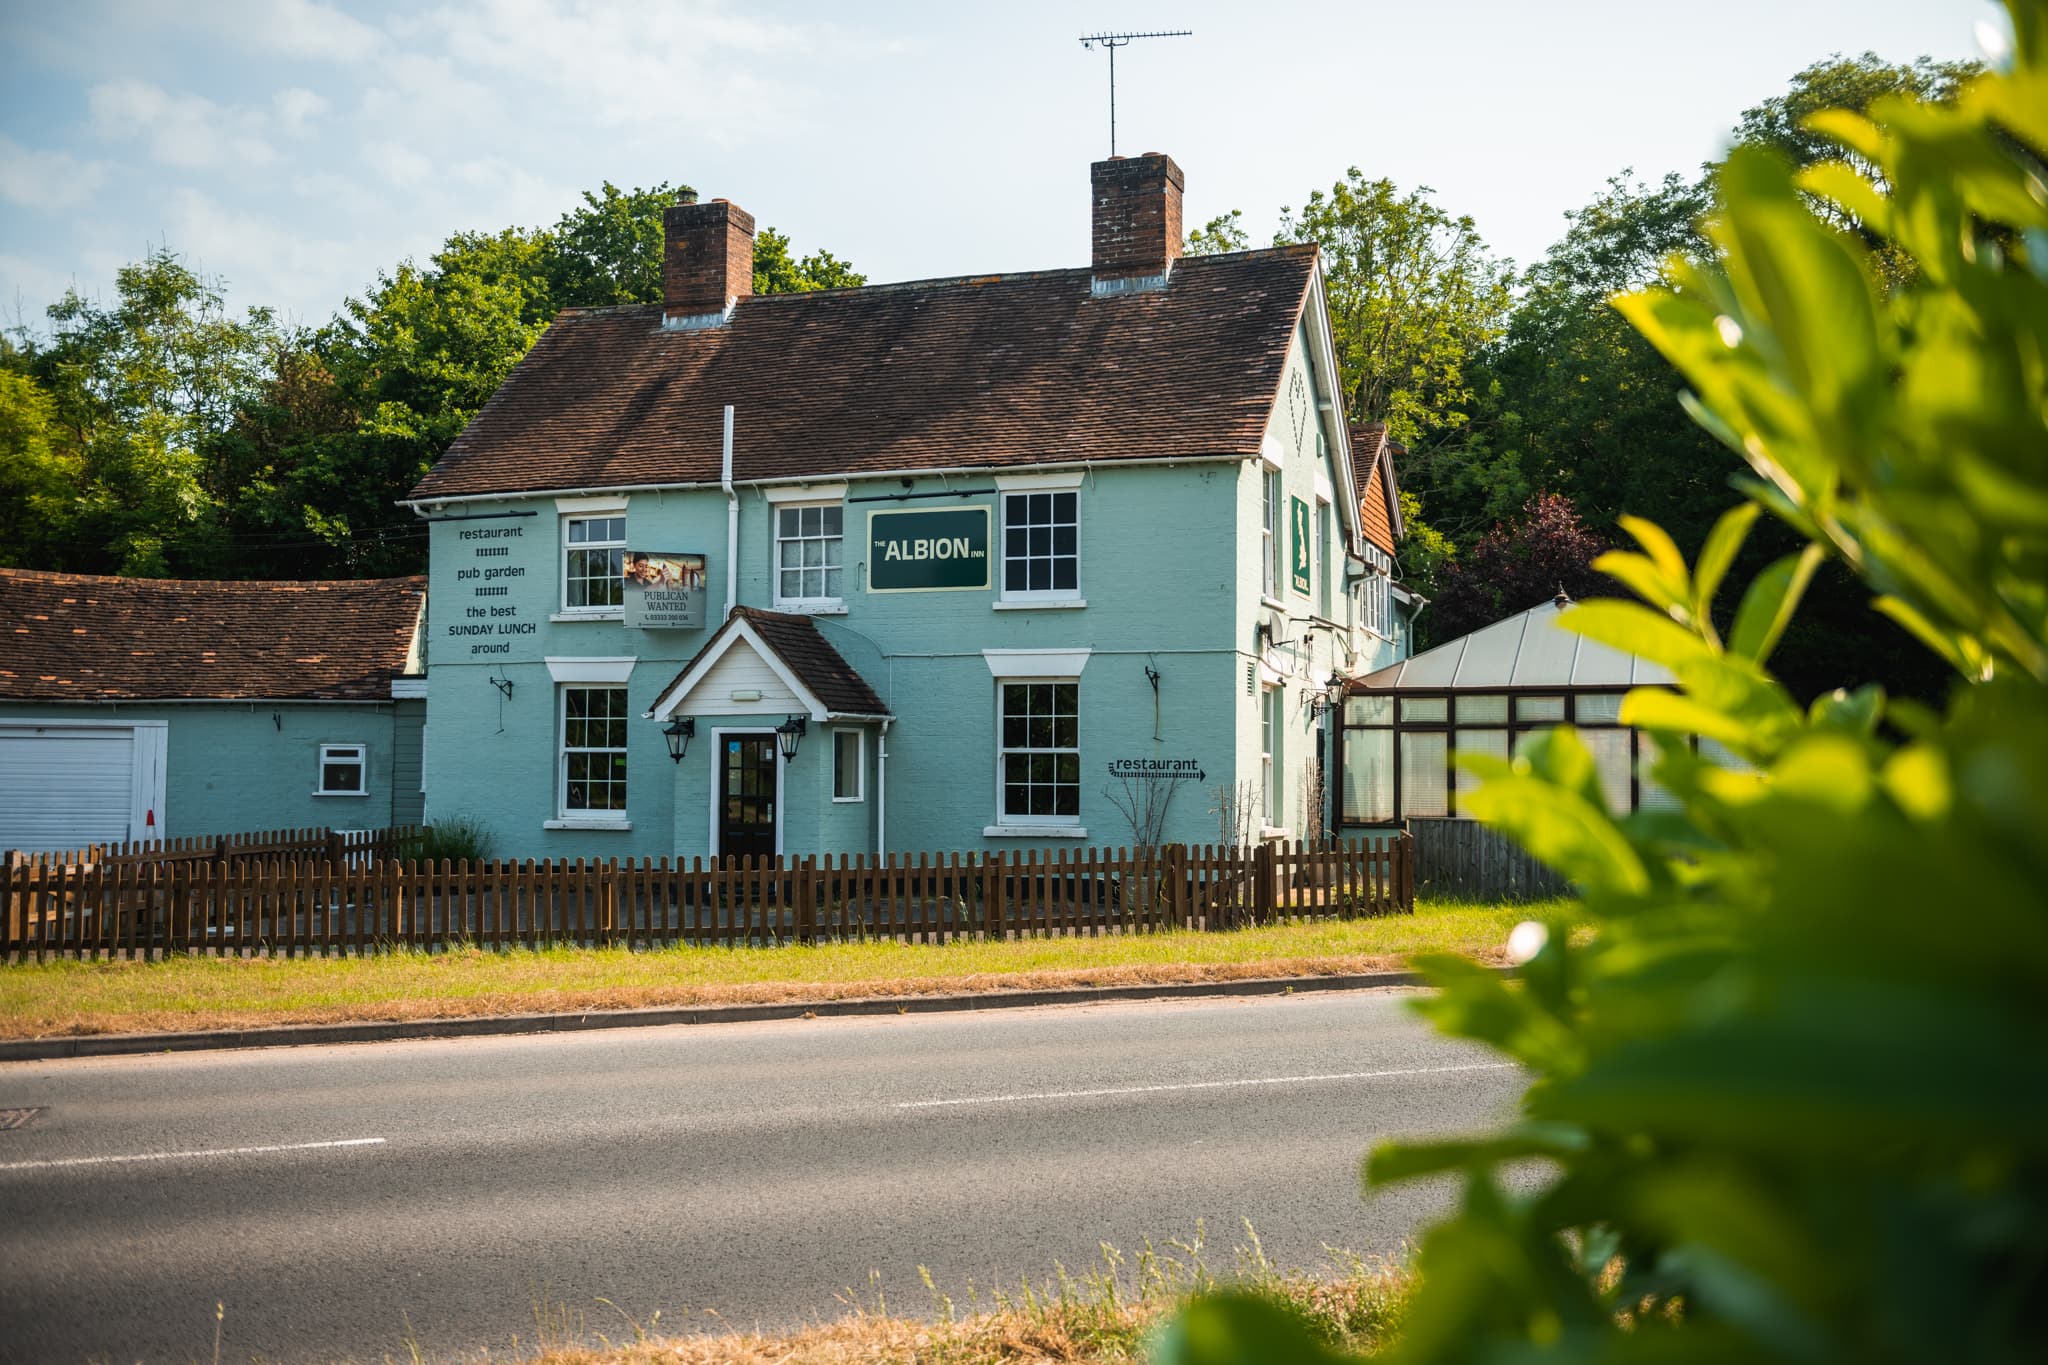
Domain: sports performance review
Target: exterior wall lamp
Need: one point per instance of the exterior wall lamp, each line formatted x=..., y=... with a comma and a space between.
x=1330, y=697
x=788, y=734
x=678, y=732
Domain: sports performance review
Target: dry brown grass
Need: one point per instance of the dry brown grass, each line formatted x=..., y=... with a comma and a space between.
x=195, y=993
x=1094, y=1321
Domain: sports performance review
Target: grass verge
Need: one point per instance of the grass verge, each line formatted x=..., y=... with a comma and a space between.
x=192, y=993
x=1105, y=1316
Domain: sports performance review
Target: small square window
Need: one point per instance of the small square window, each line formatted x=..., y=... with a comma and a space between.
x=343, y=770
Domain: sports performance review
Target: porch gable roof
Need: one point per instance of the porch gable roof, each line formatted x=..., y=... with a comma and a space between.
x=792, y=647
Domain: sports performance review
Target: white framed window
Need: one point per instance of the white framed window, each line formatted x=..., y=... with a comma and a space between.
x=810, y=548
x=1041, y=544
x=1038, y=752
x=344, y=770
x=1375, y=593
x=594, y=563
x=849, y=765
x=593, y=753
x=1269, y=580
x=1269, y=753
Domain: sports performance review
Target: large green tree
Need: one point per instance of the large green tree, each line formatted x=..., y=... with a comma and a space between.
x=1414, y=296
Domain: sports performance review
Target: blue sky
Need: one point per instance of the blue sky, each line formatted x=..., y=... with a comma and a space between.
x=296, y=147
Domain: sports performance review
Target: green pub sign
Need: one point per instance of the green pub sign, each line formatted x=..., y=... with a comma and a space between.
x=1303, y=540
x=937, y=550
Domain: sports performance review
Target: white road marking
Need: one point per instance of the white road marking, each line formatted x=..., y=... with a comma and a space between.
x=1204, y=1085
x=188, y=1156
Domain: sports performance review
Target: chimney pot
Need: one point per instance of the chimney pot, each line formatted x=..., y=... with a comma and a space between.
x=1137, y=218
x=707, y=260
x=686, y=195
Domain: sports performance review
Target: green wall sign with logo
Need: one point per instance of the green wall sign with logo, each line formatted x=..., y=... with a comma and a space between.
x=1303, y=539
x=937, y=550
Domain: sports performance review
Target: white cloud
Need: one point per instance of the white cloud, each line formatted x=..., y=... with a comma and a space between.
x=188, y=131
x=295, y=106
x=294, y=28
x=46, y=180
x=399, y=165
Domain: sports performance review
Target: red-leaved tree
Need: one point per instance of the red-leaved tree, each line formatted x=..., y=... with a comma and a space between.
x=1516, y=565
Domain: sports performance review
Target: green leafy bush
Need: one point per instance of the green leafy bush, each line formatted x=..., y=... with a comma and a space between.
x=1792, y=1096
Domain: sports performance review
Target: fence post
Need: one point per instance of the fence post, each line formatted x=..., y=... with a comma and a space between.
x=1262, y=882
x=1176, y=874
x=804, y=875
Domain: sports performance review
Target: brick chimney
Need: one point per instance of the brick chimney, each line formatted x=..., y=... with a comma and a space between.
x=1137, y=221
x=707, y=261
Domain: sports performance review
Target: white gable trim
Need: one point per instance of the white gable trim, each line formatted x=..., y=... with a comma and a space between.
x=677, y=693
x=1336, y=431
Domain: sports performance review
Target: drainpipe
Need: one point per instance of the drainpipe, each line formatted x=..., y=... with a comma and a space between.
x=882, y=788
x=732, y=522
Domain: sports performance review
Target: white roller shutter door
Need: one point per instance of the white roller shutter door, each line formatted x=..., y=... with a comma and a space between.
x=65, y=786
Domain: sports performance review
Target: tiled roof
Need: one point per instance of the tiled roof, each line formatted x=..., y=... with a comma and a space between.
x=995, y=372
x=796, y=640
x=75, y=636
x=1369, y=449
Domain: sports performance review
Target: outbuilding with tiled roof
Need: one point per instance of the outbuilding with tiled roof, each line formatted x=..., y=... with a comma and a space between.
x=138, y=708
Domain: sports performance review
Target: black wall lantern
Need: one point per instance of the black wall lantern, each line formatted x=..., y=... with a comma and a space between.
x=678, y=732
x=788, y=734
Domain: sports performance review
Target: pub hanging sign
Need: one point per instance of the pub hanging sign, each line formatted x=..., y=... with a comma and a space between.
x=664, y=590
x=929, y=550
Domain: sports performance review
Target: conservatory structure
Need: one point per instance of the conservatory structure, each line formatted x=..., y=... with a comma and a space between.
x=1487, y=692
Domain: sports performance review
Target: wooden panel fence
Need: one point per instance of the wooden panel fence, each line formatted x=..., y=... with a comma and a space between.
x=123, y=908
x=1471, y=861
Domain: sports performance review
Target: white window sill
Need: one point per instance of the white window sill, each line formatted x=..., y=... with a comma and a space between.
x=1033, y=832
x=812, y=608
x=356, y=794
x=583, y=822
x=1049, y=604
x=618, y=614
x=1275, y=603
x=848, y=800
x=1275, y=832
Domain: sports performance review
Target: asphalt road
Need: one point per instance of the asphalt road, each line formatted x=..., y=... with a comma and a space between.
x=755, y=1171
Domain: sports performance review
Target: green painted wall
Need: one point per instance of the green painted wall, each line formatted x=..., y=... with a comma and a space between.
x=237, y=766
x=1169, y=569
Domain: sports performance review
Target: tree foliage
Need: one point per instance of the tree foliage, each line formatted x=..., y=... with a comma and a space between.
x=1791, y=1099
x=1414, y=295
x=157, y=435
x=1518, y=564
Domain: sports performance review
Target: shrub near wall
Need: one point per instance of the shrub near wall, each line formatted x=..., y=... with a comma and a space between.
x=1793, y=1095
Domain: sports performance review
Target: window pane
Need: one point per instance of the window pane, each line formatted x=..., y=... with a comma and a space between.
x=1482, y=710
x=1653, y=796
x=788, y=520
x=1422, y=774
x=846, y=746
x=1368, y=776
x=1494, y=742
x=1424, y=709
x=1599, y=708
x=1611, y=762
x=1529, y=709
x=834, y=520
x=1369, y=710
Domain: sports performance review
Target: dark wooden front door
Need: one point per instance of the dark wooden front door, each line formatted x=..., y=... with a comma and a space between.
x=746, y=822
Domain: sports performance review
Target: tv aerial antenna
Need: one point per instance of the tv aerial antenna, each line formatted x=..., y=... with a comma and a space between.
x=1113, y=41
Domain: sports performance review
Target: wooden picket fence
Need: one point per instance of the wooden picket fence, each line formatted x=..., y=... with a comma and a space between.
x=270, y=845
x=120, y=908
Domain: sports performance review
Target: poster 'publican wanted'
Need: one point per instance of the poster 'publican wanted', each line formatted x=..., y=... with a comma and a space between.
x=664, y=590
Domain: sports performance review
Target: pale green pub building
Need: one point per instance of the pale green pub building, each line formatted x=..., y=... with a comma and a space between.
x=1006, y=561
